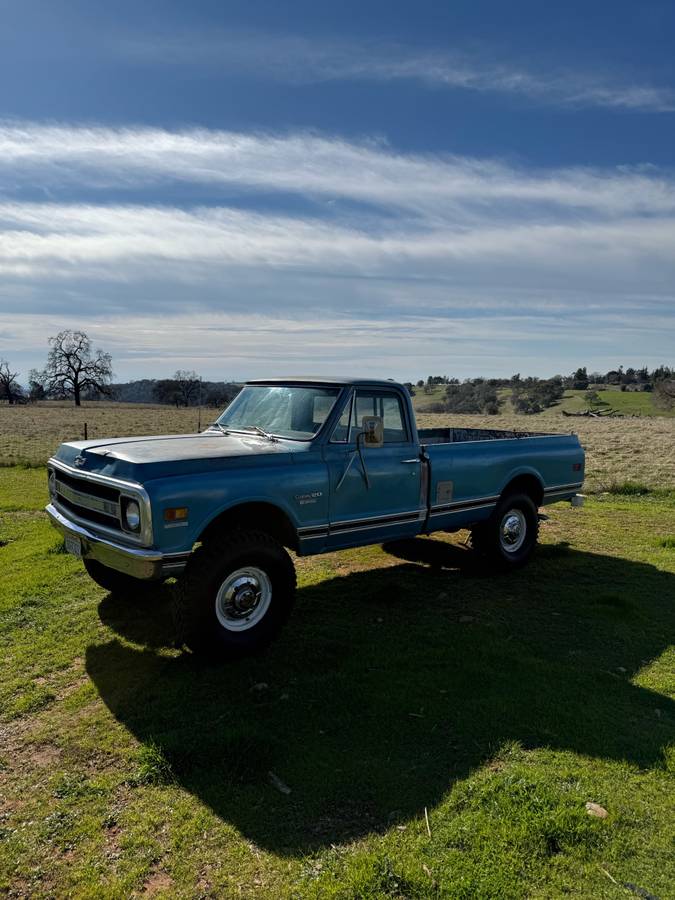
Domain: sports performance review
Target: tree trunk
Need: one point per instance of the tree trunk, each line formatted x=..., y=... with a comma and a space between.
x=76, y=394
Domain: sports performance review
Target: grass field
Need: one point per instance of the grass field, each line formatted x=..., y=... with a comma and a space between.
x=406, y=681
x=30, y=434
x=625, y=403
x=617, y=450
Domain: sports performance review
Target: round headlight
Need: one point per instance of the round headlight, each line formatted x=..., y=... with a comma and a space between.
x=132, y=515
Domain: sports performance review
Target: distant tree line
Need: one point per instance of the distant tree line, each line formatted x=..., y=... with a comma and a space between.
x=75, y=370
x=641, y=379
x=184, y=389
x=532, y=395
x=188, y=389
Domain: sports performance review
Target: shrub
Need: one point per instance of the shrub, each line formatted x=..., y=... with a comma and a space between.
x=630, y=489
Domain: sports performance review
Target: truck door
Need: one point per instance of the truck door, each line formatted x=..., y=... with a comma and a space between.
x=391, y=504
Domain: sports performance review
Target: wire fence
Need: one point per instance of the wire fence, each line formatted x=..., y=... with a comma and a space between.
x=640, y=450
x=29, y=435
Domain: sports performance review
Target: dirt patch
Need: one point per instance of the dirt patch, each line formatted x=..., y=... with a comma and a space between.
x=12, y=735
x=156, y=882
x=72, y=686
x=43, y=756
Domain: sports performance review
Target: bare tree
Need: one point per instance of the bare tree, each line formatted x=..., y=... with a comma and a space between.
x=664, y=393
x=188, y=386
x=36, y=387
x=73, y=368
x=10, y=389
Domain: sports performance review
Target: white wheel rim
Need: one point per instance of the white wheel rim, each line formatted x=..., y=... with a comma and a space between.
x=512, y=530
x=243, y=599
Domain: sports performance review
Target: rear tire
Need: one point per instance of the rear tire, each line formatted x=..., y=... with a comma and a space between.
x=235, y=595
x=509, y=536
x=117, y=583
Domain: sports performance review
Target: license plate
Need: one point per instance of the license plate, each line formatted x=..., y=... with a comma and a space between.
x=74, y=546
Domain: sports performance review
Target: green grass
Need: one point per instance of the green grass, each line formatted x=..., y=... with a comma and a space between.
x=406, y=681
x=625, y=403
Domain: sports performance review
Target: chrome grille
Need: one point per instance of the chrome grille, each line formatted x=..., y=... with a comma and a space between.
x=87, y=501
x=99, y=501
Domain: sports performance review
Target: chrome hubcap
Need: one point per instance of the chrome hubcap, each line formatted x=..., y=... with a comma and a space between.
x=243, y=598
x=512, y=530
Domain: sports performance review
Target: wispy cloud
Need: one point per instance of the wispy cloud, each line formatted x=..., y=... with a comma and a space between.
x=300, y=60
x=362, y=252
x=54, y=156
x=58, y=239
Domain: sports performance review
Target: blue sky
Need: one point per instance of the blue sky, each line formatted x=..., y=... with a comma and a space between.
x=389, y=188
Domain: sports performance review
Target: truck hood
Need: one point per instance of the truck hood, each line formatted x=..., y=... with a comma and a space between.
x=142, y=458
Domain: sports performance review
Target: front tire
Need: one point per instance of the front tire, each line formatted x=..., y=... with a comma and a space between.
x=235, y=595
x=509, y=536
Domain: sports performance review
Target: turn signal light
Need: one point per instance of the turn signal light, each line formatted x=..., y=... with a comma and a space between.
x=175, y=514
x=576, y=467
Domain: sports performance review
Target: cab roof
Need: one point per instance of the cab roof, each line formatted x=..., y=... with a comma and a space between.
x=326, y=379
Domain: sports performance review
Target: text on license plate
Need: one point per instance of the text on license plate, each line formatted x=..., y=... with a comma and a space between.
x=73, y=546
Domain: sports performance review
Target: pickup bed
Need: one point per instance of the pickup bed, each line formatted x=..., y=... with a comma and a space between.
x=307, y=464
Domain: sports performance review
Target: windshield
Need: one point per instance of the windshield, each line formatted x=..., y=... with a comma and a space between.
x=281, y=410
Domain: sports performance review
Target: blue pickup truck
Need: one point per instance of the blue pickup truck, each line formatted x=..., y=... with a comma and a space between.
x=310, y=465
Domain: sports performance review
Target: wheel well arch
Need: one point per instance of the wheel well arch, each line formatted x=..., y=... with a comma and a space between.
x=257, y=516
x=526, y=483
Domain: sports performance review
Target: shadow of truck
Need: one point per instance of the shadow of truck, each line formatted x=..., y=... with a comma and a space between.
x=389, y=685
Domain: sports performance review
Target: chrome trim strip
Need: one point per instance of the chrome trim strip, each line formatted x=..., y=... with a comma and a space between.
x=566, y=493
x=458, y=505
x=411, y=514
x=348, y=525
x=311, y=529
x=563, y=487
x=450, y=512
x=94, y=476
x=369, y=527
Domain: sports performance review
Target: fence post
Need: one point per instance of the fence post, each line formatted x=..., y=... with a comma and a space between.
x=85, y=431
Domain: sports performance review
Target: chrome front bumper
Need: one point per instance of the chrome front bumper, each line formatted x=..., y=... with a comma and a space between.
x=149, y=565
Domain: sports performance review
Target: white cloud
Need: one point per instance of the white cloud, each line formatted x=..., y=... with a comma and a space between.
x=53, y=156
x=301, y=60
x=416, y=259
x=57, y=237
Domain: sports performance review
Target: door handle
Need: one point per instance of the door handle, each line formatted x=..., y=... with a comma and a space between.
x=411, y=461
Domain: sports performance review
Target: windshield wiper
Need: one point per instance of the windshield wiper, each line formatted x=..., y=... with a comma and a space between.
x=247, y=430
x=270, y=437
x=260, y=431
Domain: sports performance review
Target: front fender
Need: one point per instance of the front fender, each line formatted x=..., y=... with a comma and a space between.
x=298, y=491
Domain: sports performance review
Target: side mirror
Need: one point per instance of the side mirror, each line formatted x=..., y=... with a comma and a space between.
x=372, y=432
